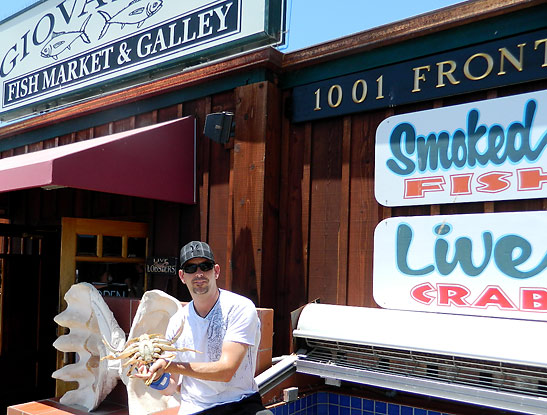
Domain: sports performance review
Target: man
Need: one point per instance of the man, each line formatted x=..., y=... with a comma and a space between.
x=224, y=327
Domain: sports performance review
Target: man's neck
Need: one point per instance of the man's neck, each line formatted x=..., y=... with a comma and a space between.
x=204, y=304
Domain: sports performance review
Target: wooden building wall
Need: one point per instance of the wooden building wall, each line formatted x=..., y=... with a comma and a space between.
x=288, y=208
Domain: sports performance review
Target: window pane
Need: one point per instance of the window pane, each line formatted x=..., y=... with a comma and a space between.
x=136, y=247
x=86, y=245
x=112, y=246
x=113, y=279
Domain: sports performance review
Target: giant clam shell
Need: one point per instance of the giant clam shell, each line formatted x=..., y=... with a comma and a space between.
x=153, y=314
x=89, y=320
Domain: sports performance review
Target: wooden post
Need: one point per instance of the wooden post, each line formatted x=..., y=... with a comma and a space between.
x=255, y=189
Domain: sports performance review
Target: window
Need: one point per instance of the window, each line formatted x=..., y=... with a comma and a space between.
x=110, y=255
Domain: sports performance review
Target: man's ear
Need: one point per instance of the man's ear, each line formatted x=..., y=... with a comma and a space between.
x=217, y=271
x=181, y=276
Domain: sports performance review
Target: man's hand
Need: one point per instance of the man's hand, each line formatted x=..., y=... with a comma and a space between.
x=153, y=373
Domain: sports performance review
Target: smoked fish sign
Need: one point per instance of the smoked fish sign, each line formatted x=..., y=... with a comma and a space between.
x=61, y=46
x=488, y=264
x=481, y=151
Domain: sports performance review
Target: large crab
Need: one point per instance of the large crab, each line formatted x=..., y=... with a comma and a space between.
x=145, y=350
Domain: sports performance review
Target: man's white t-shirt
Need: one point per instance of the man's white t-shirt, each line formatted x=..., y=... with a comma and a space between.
x=233, y=318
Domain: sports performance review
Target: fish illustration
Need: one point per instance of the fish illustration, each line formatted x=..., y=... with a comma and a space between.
x=60, y=41
x=136, y=12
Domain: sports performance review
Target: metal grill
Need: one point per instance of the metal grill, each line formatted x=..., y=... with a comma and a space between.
x=498, y=362
x=496, y=376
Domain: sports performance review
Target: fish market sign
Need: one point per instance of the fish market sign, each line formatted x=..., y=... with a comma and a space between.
x=481, y=264
x=482, y=151
x=61, y=46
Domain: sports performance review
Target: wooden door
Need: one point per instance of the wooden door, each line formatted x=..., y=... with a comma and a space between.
x=92, y=248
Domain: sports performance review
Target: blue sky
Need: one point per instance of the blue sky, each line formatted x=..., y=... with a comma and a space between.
x=310, y=22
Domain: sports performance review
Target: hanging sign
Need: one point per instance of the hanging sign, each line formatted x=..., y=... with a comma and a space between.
x=480, y=264
x=161, y=265
x=61, y=46
x=481, y=151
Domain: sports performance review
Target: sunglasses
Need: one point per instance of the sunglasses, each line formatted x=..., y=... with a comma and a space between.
x=204, y=266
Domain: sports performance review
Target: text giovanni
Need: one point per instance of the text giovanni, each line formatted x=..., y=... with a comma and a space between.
x=182, y=33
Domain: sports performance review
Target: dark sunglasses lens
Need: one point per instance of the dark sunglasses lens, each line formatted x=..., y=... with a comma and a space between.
x=190, y=268
x=204, y=266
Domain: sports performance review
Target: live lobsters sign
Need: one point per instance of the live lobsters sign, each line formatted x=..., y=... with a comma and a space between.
x=487, y=150
x=479, y=264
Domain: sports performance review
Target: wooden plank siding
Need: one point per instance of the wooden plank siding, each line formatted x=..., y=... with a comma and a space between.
x=288, y=208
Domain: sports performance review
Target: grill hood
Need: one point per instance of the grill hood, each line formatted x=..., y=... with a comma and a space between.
x=495, y=362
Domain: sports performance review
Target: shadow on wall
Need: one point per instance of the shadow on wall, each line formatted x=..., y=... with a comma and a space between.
x=244, y=276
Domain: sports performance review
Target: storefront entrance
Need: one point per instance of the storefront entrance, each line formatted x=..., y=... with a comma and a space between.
x=29, y=287
x=108, y=254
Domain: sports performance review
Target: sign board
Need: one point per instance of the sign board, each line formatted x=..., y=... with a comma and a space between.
x=112, y=289
x=62, y=46
x=479, y=264
x=501, y=62
x=161, y=265
x=481, y=151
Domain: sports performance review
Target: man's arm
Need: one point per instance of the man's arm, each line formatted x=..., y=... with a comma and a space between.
x=220, y=371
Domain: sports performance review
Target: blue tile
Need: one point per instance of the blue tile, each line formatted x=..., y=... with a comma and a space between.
x=322, y=397
x=368, y=412
x=380, y=407
x=393, y=409
x=333, y=398
x=406, y=410
x=314, y=399
x=356, y=402
x=307, y=401
x=291, y=408
x=322, y=409
x=355, y=411
x=285, y=409
x=297, y=405
x=344, y=410
x=368, y=405
x=418, y=411
x=433, y=413
x=344, y=400
x=334, y=410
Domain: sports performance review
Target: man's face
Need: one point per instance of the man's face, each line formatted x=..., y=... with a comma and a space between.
x=200, y=281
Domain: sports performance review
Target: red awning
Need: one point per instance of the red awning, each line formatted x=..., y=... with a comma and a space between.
x=155, y=162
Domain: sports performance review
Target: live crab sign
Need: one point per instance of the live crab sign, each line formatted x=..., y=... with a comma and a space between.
x=64, y=46
x=488, y=264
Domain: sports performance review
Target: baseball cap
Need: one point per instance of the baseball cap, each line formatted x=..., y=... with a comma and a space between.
x=195, y=249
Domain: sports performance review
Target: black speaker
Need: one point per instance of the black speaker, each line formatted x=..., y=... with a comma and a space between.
x=218, y=126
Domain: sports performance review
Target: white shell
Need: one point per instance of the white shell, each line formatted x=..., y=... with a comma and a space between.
x=89, y=320
x=153, y=314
